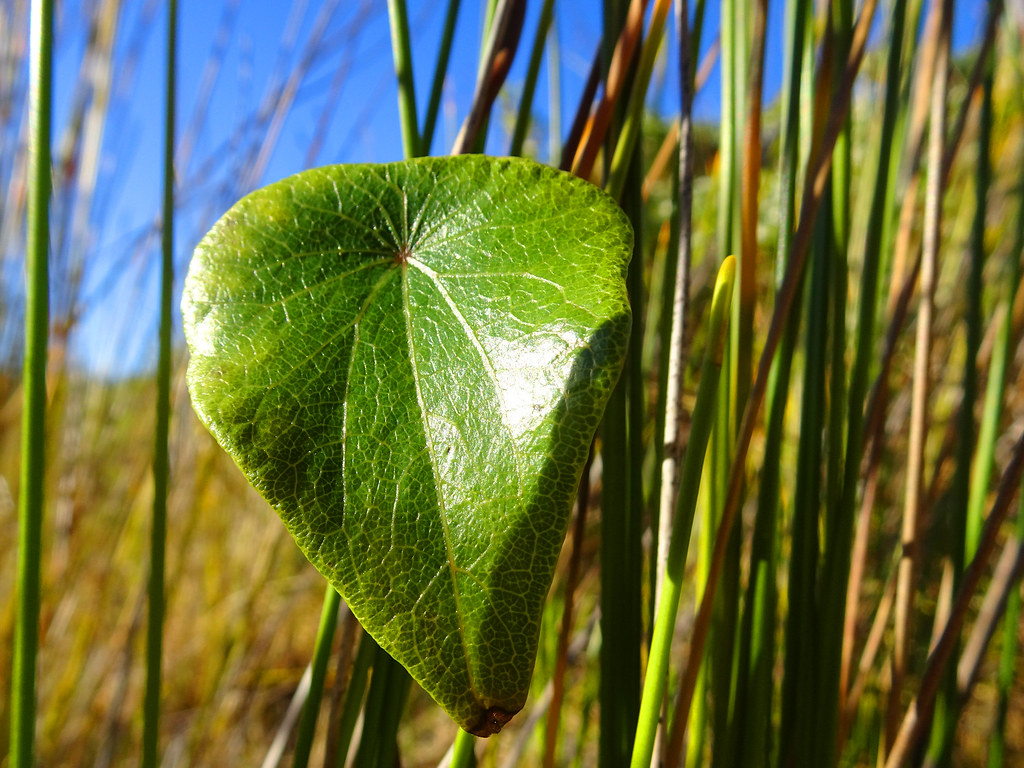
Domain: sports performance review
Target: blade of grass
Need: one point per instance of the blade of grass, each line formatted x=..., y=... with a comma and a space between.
x=525, y=114
x=634, y=111
x=947, y=709
x=161, y=454
x=440, y=72
x=818, y=173
x=656, y=678
x=568, y=601
x=354, y=696
x=917, y=716
x=844, y=588
x=757, y=638
x=321, y=655
x=401, y=50
x=33, y=434
x=909, y=562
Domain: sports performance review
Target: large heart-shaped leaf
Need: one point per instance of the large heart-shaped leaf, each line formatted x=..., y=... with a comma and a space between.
x=408, y=361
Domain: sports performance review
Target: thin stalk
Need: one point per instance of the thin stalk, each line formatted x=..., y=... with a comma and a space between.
x=161, y=451
x=811, y=200
x=440, y=71
x=947, y=709
x=1006, y=676
x=568, y=603
x=676, y=316
x=757, y=630
x=401, y=50
x=634, y=112
x=354, y=696
x=918, y=714
x=921, y=383
x=321, y=655
x=530, y=83
x=837, y=577
x=33, y=430
x=621, y=531
x=656, y=679
x=463, y=754
x=554, y=96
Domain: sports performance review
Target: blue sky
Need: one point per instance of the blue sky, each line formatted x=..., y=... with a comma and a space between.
x=118, y=332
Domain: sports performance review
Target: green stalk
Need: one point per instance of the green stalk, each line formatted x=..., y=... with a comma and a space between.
x=836, y=566
x=33, y=417
x=161, y=451
x=321, y=655
x=354, y=696
x=757, y=632
x=635, y=111
x=530, y=84
x=1006, y=676
x=443, y=54
x=946, y=710
x=656, y=678
x=402, y=52
x=554, y=97
x=463, y=754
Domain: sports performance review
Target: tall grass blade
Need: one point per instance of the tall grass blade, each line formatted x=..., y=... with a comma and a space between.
x=401, y=50
x=161, y=453
x=909, y=562
x=525, y=114
x=440, y=72
x=321, y=655
x=656, y=677
x=33, y=435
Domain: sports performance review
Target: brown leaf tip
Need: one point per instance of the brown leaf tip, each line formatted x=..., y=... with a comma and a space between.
x=491, y=721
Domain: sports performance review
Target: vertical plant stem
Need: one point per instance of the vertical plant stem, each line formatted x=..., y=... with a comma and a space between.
x=839, y=584
x=947, y=709
x=401, y=50
x=33, y=419
x=440, y=71
x=918, y=714
x=463, y=753
x=656, y=678
x=635, y=110
x=524, y=115
x=673, y=410
x=161, y=453
x=818, y=172
x=1006, y=677
x=571, y=582
x=554, y=96
x=354, y=696
x=321, y=655
x=922, y=359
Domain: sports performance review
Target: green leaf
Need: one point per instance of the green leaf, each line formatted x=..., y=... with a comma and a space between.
x=408, y=361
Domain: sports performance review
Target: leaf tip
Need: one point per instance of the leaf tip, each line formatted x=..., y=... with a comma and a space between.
x=491, y=722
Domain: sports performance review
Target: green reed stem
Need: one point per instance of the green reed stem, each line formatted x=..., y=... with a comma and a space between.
x=440, y=70
x=33, y=416
x=354, y=696
x=161, y=448
x=321, y=655
x=530, y=83
x=401, y=50
x=635, y=110
x=463, y=752
x=656, y=678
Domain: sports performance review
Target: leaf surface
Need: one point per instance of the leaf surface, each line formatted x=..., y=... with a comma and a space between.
x=408, y=361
